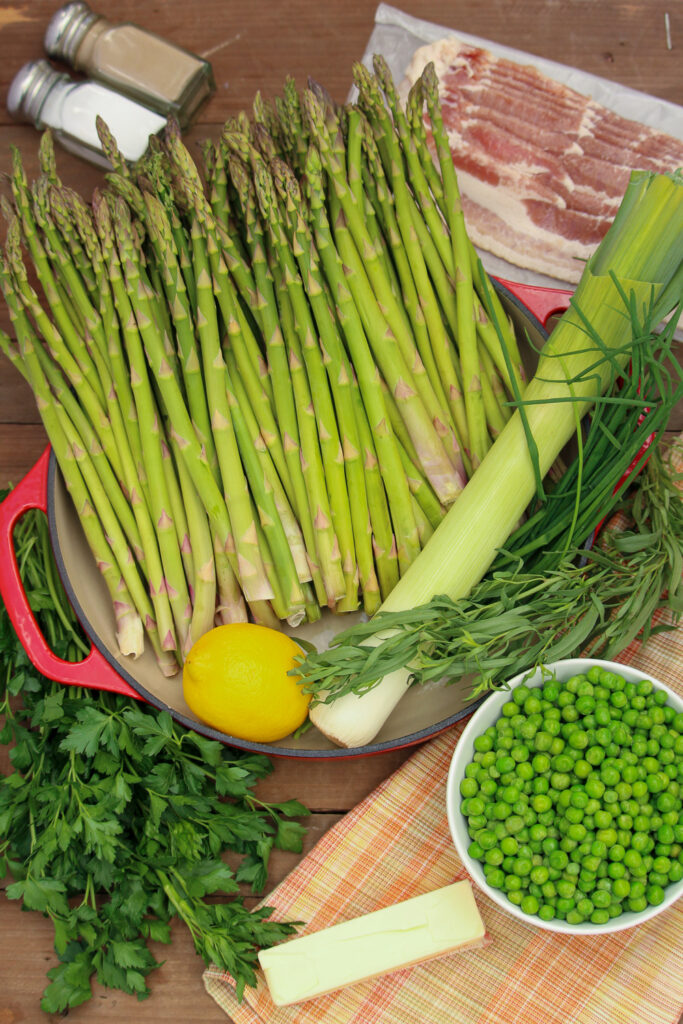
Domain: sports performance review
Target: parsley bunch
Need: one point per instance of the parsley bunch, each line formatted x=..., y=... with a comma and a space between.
x=115, y=818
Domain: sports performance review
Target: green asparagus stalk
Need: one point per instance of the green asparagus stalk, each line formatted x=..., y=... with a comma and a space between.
x=330, y=444
x=421, y=490
x=179, y=303
x=250, y=568
x=58, y=211
x=369, y=383
x=389, y=358
x=340, y=378
x=277, y=521
x=464, y=287
x=178, y=511
x=326, y=543
x=63, y=396
x=231, y=606
x=112, y=563
x=278, y=368
x=394, y=312
x=383, y=539
x=437, y=342
x=375, y=182
x=493, y=324
x=54, y=294
x=135, y=330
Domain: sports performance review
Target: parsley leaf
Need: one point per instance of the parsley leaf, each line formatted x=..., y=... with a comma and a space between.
x=114, y=818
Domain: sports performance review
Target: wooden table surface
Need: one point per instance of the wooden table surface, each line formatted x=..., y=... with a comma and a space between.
x=254, y=46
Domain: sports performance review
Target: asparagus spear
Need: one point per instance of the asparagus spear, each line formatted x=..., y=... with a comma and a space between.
x=340, y=378
x=280, y=529
x=464, y=287
x=435, y=349
x=185, y=439
x=161, y=236
x=312, y=465
x=330, y=444
x=493, y=325
x=278, y=367
x=111, y=563
x=250, y=568
x=366, y=371
x=54, y=294
x=203, y=585
x=136, y=327
x=394, y=312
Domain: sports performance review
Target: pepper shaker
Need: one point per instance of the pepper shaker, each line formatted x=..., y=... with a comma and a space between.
x=163, y=76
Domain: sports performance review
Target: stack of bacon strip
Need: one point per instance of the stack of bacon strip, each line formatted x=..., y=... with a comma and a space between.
x=542, y=169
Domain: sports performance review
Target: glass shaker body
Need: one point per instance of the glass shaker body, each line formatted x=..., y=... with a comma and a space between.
x=51, y=99
x=141, y=64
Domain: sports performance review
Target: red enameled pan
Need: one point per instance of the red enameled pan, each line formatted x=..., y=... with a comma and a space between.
x=422, y=713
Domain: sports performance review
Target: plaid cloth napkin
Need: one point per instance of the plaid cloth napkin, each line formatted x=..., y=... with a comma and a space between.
x=396, y=844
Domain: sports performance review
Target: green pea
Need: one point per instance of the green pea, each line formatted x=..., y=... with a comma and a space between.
x=530, y=905
x=512, y=883
x=496, y=878
x=486, y=839
x=655, y=895
x=621, y=888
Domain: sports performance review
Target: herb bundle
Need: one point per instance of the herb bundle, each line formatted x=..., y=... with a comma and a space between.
x=549, y=593
x=114, y=819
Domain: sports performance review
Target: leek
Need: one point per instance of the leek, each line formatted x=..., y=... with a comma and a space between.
x=636, y=272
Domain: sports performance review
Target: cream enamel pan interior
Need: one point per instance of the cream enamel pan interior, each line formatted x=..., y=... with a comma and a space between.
x=422, y=713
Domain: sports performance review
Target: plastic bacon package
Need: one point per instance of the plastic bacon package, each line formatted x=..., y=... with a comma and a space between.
x=404, y=41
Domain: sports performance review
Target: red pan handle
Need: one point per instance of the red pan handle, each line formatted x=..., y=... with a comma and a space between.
x=94, y=671
x=543, y=302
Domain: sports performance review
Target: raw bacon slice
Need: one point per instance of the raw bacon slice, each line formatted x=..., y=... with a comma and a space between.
x=542, y=169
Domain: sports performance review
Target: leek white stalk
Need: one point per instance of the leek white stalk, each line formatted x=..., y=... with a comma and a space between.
x=465, y=543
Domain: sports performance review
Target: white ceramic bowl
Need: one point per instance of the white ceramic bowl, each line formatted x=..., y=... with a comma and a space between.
x=485, y=716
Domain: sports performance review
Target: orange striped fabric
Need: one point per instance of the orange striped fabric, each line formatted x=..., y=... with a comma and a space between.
x=396, y=844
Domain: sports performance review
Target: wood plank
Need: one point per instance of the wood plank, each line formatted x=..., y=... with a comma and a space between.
x=27, y=954
x=331, y=785
x=253, y=46
x=20, y=444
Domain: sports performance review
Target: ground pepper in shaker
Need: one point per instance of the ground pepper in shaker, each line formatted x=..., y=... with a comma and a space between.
x=146, y=67
x=49, y=98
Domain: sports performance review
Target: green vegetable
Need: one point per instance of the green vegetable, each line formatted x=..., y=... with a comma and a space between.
x=561, y=839
x=547, y=597
x=114, y=819
x=266, y=356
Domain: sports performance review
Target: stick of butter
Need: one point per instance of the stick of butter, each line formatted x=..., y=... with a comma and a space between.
x=386, y=940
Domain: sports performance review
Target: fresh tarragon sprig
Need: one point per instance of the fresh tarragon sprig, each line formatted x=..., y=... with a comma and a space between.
x=596, y=600
x=114, y=819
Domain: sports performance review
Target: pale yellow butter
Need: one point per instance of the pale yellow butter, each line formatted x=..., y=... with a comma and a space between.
x=365, y=947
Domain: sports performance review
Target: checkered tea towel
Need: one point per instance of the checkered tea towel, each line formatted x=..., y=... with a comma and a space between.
x=396, y=844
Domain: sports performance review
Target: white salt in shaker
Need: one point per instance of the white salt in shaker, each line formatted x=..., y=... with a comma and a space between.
x=49, y=98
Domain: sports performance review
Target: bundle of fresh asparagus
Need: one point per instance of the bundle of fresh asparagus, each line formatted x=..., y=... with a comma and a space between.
x=264, y=384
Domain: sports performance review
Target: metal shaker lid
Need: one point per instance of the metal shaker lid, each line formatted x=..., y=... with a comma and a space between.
x=29, y=89
x=66, y=29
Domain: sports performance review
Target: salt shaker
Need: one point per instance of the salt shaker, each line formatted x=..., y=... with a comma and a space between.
x=150, y=69
x=48, y=98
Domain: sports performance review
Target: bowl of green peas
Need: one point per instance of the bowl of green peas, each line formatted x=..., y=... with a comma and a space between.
x=565, y=796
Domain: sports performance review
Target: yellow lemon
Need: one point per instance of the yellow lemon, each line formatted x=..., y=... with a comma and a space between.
x=235, y=680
